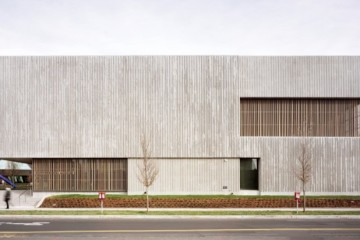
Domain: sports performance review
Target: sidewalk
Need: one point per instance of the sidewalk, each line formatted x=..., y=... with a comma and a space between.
x=215, y=217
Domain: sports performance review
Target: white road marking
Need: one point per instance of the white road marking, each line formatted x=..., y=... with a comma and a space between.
x=24, y=224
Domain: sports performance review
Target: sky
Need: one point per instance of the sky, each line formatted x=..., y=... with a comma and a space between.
x=7, y=165
x=185, y=27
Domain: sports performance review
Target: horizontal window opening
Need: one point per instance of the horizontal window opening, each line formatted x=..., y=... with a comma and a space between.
x=300, y=117
x=86, y=175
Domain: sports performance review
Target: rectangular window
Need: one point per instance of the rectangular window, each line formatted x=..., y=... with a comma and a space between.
x=249, y=179
x=88, y=175
x=299, y=117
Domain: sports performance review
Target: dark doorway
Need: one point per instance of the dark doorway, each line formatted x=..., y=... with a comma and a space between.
x=249, y=176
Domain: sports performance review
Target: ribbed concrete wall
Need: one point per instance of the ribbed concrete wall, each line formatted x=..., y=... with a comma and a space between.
x=97, y=107
x=335, y=163
x=186, y=176
x=299, y=77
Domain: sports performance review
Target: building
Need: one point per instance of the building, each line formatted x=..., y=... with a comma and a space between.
x=216, y=124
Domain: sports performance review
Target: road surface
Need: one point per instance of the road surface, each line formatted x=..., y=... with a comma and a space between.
x=181, y=228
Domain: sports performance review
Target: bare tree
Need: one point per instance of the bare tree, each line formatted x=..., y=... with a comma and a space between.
x=303, y=169
x=148, y=170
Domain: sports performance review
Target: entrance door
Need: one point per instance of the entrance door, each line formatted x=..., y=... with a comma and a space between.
x=249, y=177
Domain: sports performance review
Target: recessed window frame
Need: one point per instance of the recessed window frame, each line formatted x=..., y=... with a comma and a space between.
x=300, y=117
x=249, y=174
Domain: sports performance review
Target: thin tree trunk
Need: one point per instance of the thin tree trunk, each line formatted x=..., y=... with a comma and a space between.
x=147, y=200
x=304, y=204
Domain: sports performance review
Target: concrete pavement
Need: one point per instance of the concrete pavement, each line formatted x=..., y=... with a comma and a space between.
x=19, y=208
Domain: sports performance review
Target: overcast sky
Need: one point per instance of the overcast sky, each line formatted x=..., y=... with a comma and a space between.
x=179, y=27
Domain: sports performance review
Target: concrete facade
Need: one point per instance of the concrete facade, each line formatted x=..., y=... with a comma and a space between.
x=98, y=107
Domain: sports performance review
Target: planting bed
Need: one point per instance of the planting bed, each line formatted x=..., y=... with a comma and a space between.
x=158, y=202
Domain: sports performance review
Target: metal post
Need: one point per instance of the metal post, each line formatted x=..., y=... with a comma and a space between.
x=297, y=206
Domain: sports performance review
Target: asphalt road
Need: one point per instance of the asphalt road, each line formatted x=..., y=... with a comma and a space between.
x=52, y=228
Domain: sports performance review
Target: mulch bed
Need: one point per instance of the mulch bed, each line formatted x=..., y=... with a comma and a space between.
x=196, y=203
